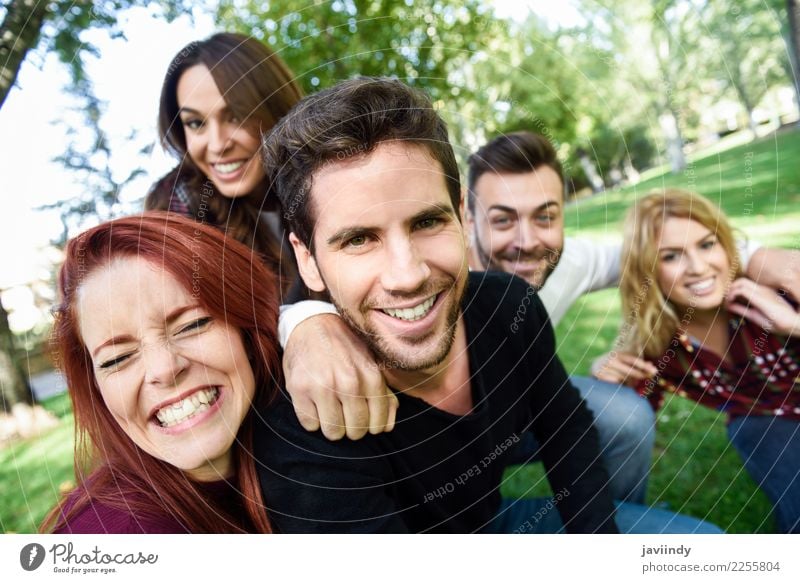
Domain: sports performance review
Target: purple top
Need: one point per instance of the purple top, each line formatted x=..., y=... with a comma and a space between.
x=98, y=518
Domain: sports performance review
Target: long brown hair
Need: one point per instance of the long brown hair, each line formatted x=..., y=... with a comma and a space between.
x=651, y=320
x=232, y=284
x=257, y=86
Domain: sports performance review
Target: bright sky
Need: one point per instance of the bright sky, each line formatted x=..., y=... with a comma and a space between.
x=128, y=78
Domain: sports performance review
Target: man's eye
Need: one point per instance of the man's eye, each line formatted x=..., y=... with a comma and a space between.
x=356, y=241
x=198, y=324
x=544, y=218
x=429, y=223
x=501, y=221
x=114, y=362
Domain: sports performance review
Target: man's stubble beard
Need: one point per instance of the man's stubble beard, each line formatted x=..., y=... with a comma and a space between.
x=552, y=257
x=383, y=351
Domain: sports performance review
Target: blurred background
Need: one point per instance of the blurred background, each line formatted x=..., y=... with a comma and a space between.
x=635, y=94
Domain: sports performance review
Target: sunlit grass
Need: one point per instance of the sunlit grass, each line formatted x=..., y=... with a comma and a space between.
x=33, y=472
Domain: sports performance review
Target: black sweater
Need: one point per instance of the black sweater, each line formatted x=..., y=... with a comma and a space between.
x=439, y=472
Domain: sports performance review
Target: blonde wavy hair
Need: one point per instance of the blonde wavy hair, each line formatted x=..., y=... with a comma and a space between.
x=651, y=321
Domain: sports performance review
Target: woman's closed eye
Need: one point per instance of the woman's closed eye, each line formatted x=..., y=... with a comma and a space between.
x=197, y=324
x=115, y=361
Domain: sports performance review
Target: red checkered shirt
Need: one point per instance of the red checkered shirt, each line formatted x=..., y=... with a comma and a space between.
x=761, y=375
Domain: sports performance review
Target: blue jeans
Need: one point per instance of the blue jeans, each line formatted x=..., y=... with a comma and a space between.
x=770, y=449
x=539, y=516
x=625, y=425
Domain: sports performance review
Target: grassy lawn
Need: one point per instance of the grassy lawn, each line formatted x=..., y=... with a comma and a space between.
x=34, y=470
x=695, y=471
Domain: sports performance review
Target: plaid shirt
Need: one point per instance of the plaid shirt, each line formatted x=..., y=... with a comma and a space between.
x=179, y=201
x=761, y=375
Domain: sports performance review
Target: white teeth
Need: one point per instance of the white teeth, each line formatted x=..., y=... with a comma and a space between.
x=411, y=314
x=702, y=286
x=188, y=407
x=228, y=167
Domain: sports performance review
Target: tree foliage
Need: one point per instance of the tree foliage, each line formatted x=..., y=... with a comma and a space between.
x=430, y=46
x=57, y=27
x=747, y=49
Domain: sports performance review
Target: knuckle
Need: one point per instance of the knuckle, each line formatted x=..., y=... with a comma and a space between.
x=333, y=432
x=356, y=433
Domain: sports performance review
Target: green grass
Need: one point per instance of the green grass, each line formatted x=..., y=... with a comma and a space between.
x=695, y=470
x=33, y=470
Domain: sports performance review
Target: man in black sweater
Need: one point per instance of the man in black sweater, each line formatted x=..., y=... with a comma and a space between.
x=370, y=188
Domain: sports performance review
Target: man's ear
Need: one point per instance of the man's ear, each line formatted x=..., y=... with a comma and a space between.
x=306, y=264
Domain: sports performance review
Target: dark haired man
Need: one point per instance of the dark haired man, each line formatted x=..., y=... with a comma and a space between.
x=515, y=201
x=371, y=176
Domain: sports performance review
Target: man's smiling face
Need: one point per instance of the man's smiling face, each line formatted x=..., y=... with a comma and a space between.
x=390, y=249
x=518, y=223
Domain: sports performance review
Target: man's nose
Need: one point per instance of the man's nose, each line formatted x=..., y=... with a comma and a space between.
x=405, y=269
x=527, y=239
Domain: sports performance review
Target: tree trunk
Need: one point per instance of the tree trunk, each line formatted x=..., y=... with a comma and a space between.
x=19, y=33
x=793, y=12
x=14, y=388
x=747, y=103
x=671, y=128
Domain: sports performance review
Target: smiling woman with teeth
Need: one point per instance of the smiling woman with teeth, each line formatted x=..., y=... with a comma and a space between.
x=712, y=336
x=167, y=337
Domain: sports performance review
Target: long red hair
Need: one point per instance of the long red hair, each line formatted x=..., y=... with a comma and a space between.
x=230, y=281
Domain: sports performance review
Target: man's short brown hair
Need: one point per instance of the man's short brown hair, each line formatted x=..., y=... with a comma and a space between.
x=514, y=153
x=345, y=121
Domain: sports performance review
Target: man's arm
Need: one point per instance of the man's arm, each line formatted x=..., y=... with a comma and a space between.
x=776, y=268
x=563, y=425
x=312, y=485
x=331, y=375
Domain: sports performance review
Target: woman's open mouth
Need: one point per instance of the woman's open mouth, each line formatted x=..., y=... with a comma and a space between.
x=187, y=408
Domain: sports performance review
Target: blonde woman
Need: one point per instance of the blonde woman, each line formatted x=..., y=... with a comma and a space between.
x=697, y=328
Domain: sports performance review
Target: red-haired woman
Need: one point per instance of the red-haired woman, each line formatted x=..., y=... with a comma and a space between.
x=219, y=96
x=167, y=336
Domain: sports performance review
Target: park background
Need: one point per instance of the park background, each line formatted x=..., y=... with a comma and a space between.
x=635, y=94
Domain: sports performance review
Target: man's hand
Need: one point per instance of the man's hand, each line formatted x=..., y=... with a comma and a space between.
x=778, y=269
x=334, y=382
x=764, y=306
x=622, y=368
